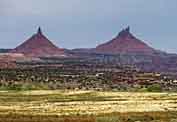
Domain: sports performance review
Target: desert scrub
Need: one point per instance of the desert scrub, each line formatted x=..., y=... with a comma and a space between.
x=108, y=119
x=154, y=88
x=25, y=86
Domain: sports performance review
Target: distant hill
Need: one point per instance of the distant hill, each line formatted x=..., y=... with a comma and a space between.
x=124, y=49
x=125, y=42
x=38, y=46
x=127, y=49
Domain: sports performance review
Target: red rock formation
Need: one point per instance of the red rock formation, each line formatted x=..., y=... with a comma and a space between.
x=7, y=60
x=38, y=46
x=125, y=42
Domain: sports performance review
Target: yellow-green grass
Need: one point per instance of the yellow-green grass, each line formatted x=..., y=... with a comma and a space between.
x=87, y=106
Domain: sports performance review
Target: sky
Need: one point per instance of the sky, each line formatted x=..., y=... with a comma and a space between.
x=88, y=23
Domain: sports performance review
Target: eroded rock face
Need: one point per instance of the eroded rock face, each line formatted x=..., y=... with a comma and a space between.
x=125, y=42
x=38, y=46
x=7, y=60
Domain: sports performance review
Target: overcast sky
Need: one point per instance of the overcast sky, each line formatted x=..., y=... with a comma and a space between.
x=87, y=23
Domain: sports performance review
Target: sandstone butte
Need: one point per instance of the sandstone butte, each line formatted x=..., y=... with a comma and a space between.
x=38, y=46
x=125, y=42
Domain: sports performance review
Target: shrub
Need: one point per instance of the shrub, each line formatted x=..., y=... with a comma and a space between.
x=154, y=88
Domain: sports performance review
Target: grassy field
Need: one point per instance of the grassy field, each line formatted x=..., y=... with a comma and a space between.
x=87, y=106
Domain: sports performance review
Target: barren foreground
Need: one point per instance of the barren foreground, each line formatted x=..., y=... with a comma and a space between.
x=87, y=106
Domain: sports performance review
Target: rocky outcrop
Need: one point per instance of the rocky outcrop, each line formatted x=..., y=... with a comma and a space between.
x=8, y=60
x=38, y=46
x=125, y=42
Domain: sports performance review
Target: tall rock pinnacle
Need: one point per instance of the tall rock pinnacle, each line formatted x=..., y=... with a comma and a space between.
x=125, y=33
x=39, y=31
x=125, y=42
x=38, y=46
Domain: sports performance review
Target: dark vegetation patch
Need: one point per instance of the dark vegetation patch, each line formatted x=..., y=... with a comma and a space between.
x=114, y=117
x=85, y=76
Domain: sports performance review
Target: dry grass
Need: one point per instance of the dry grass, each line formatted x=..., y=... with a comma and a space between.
x=50, y=106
